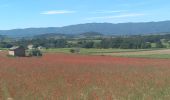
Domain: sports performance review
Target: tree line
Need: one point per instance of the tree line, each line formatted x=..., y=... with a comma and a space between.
x=123, y=42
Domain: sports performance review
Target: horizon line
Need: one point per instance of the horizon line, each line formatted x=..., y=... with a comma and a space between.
x=80, y=24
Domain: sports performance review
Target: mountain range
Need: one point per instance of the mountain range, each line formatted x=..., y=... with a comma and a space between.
x=141, y=28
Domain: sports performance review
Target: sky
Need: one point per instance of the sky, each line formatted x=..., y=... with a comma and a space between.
x=57, y=13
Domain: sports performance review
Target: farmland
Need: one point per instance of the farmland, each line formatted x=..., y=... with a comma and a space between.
x=159, y=53
x=93, y=50
x=134, y=53
x=57, y=76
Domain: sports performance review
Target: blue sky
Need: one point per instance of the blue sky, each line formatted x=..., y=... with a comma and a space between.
x=57, y=13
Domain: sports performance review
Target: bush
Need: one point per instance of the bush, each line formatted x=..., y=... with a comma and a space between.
x=35, y=52
x=77, y=50
x=72, y=50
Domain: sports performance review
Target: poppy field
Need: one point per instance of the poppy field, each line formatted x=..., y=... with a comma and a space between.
x=57, y=76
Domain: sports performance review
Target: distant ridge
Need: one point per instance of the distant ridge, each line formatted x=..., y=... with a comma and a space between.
x=103, y=28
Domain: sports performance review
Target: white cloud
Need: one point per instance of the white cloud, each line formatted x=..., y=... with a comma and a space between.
x=116, y=16
x=54, y=12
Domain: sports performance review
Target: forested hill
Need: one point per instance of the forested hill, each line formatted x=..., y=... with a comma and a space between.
x=103, y=28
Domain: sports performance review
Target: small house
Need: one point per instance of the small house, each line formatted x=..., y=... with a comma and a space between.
x=17, y=51
x=40, y=47
x=30, y=47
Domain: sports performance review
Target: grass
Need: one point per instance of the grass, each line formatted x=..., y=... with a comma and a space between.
x=93, y=50
x=100, y=51
x=109, y=51
x=153, y=56
x=57, y=50
x=3, y=49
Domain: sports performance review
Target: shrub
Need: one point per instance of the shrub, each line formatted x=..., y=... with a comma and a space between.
x=76, y=50
x=72, y=50
x=35, y=52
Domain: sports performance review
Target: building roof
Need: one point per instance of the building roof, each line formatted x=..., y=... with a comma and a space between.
x=15, y=47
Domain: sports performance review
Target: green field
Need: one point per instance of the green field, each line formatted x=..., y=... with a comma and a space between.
x=157, y=54
x=152, y=56
x=137, y=53
x=3, y=49
x=93, y=51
